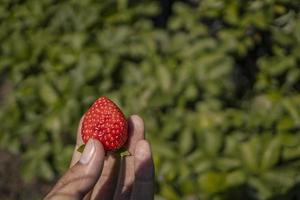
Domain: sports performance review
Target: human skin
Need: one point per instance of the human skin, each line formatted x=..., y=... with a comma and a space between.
x=95, y=174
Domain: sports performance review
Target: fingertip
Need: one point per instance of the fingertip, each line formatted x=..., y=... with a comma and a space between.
x=93, y=150
x=137, y=118
x=80, y=123
x=81, y=119
x=83, y=176
x=135, y=122
x=135, y=132
x=99, y=147
x=78, y=138
x=79, y=142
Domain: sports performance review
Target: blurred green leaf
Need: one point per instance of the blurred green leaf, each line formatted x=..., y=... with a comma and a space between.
x=271, y=154
x=249, y=154
x=212, y=182
x=216, y=82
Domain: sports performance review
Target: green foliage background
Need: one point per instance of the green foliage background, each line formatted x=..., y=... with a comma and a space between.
x=217, y=85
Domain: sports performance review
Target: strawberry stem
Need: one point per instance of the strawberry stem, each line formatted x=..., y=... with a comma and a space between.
x=122, y=152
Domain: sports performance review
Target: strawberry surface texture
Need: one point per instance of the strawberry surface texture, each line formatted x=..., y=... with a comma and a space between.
x=106, y=122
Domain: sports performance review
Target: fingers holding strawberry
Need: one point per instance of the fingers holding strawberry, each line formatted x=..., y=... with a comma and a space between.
x=119, y=178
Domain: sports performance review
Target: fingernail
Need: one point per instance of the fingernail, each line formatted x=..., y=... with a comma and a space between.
x=88, y=152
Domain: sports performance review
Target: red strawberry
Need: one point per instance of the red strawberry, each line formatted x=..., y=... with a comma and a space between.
x=106, y=122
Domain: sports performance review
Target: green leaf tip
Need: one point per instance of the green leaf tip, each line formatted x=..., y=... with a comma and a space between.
x=81, y=148
x=122, y=152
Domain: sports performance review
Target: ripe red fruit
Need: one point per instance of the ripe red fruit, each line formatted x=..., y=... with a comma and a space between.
x=105, y=121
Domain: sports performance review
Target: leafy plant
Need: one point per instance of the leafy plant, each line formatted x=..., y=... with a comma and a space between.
x=217, y=84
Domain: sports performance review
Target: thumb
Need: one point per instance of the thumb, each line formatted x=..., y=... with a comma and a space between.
x=82, y=177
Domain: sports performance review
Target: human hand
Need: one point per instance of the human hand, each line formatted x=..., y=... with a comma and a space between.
x=94, y=175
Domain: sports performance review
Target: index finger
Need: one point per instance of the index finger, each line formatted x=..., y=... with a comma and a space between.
x=79, y=142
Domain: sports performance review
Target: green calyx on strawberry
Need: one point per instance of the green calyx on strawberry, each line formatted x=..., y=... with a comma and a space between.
x=105, y=122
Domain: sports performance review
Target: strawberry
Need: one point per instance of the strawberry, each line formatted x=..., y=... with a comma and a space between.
x=105, y=121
